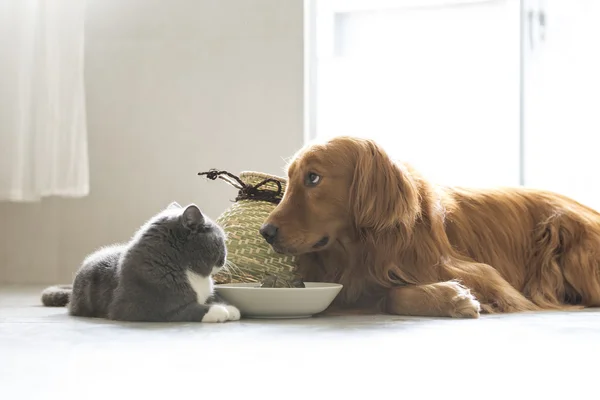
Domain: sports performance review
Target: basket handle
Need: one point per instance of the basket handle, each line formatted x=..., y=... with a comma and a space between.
x=247, y=192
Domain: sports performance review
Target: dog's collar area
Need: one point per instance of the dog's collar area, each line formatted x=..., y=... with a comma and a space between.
x=321, y=242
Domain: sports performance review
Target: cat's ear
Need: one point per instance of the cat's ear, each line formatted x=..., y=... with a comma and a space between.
x=192, y=217
x=174, y=206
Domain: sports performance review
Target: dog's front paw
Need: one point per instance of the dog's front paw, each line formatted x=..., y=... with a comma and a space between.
x=234, y=313
x=216, y=313
x=464, y=304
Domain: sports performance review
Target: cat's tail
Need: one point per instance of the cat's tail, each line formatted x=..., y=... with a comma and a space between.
x=57, y=296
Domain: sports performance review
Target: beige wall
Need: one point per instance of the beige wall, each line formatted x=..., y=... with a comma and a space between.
x=173, y=87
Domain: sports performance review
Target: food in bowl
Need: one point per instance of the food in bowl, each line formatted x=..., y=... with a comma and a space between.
x=274, y=281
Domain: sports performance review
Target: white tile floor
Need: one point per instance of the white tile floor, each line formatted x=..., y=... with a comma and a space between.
x=45, y=354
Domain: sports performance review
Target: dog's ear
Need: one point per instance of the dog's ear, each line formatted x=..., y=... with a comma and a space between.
x=382, y=194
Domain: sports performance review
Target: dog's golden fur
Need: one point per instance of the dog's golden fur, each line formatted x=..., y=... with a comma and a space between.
x=402, y=245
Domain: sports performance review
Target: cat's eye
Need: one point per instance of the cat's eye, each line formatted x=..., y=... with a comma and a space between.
x=312, y=179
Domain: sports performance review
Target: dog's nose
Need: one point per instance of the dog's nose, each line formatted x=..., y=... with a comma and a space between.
x=269, y=232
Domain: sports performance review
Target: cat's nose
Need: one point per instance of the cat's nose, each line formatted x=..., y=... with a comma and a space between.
x=269, y=232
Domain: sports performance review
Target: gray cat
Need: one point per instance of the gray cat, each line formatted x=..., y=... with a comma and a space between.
x=163, y=274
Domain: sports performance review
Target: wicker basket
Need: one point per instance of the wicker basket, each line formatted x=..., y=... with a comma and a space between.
x=250, y=257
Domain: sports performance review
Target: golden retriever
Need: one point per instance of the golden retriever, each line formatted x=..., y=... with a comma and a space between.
x=401, y=245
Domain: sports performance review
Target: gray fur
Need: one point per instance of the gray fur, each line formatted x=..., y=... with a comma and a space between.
x=56, y=296
x=145, y=279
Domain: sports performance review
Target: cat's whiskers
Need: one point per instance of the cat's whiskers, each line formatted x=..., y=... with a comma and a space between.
x=233, y=271
x=228, y=264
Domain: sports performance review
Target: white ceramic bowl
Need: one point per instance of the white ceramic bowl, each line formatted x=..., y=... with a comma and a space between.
x=256, y=302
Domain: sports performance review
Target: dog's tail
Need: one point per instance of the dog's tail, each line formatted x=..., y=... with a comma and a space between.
x=57, y=296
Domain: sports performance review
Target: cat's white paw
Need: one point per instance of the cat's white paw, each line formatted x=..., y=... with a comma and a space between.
x=234, y=313
x=216, y=313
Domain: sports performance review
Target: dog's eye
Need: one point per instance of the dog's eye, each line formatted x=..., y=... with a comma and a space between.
x=312, y=179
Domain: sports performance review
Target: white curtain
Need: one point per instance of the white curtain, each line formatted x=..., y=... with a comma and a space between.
x=43, y=135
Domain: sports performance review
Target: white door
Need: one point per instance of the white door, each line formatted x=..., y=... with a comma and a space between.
x=436, y=82
x=562, y=92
